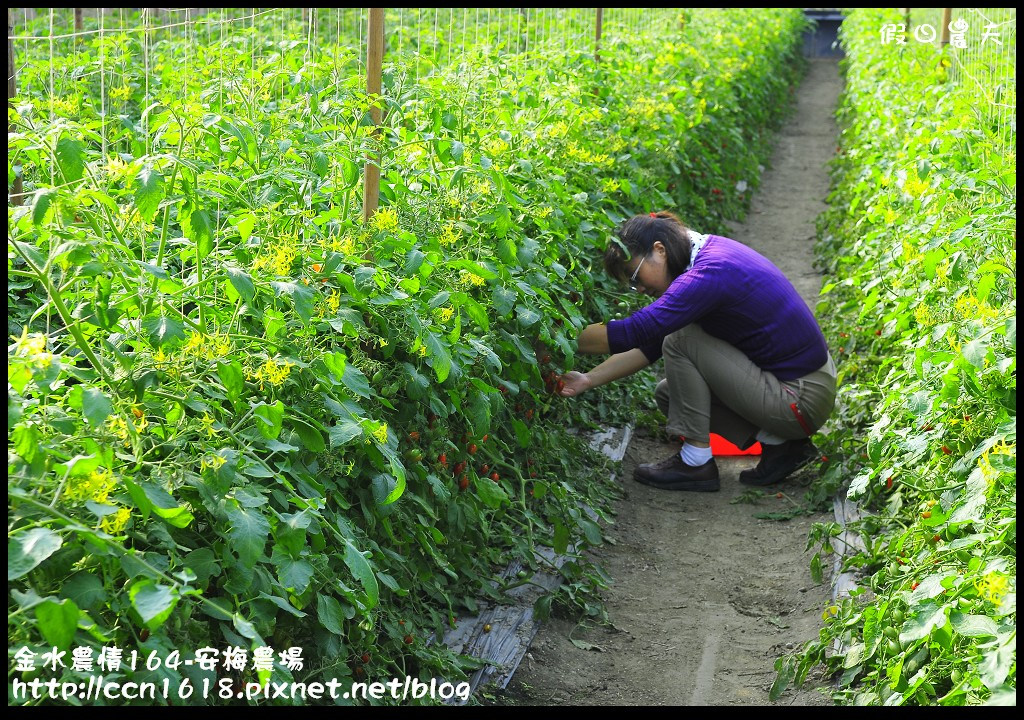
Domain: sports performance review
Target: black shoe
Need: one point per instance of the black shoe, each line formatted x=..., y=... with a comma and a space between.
x=779, y=462
x=673, y=474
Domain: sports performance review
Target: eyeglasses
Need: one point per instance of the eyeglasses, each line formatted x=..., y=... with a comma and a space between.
x=632, y=280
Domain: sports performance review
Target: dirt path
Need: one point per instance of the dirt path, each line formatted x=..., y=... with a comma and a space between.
x=705, y=596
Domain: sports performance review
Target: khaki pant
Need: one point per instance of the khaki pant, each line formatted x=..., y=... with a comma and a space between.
x=711, y=386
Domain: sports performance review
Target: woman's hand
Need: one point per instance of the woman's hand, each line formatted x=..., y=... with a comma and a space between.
x=575, y=383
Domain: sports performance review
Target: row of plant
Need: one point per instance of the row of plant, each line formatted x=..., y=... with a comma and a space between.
x=919, y=248
x=241, y=417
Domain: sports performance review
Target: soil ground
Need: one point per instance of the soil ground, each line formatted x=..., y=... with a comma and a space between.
x=704, y=595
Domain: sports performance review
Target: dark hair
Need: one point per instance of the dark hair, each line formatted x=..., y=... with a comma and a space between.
x=637, y=236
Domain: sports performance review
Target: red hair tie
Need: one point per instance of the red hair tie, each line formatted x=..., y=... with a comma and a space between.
x=653, y=215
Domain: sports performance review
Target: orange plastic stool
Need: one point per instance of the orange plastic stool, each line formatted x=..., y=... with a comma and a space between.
x=721, y=447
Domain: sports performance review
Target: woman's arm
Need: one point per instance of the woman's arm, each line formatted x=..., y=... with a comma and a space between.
x=594, y=339
x=617, y=366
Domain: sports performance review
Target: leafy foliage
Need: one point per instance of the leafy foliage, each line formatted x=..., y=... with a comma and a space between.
x=920, y=249
x=240, y=415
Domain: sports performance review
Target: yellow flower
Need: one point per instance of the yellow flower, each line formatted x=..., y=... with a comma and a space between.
x=385, y=220
x=32, y=347
x=915, y=187
x=445, y=313
x=117, y=168
x=469, y=278
x=993, y=587
x=422, y=350
x=118, y=427
x=121, y=93
x=985, y=464
x=923, y=315
x=115, y=523
x=207, y=422
x=195, y=344
x=95, y=486
x=345, y=245
x=272, y=371
x=449, y=236
x=380, y=433
x=334, y=300
x=159, y=357
x=213, y=462
x=381, y=342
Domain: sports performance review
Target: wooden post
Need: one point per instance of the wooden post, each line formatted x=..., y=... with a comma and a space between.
x=597, y=36
x=906, y=17
x=12, y=91
x=682, y=20
x=78, y=19
x=947, y=17
x=374, y=60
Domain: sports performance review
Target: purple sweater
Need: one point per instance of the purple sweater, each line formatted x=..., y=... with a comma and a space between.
x=736, y=295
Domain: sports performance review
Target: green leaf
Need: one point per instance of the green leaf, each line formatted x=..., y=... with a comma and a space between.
x=269, y=419
x=241, y=282
x=301, y=296
x=310, y=436
x=362, y=570
x=245, y=225
x=149, y=191
x=491, y=493
x=203, y=563
x=248, y=531
x=592, y=531
x=561, y=539
x=477, y=313
x=479, y=412
x=438, y=356
x=527, y=316
x=41, y=202
x=57, y=622
x=163, y=329
x=816, y=573
x=973, y=625
x=96, y=406
x=355, y=381
x=785, y=671
x=26, y=442
x=26, y=550
x=70, y=158
x=295, y=575
x=85, y=589
x=232, y=378
x=153, y=601
x=504, y=300
x=349, y=172
x=343, y=432
x=919, y=626
x=199, y=228
x=328, y=609
x=245, y=628
x=283, y=604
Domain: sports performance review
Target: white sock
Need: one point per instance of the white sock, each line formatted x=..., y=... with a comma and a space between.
x=695, y=456
x=766, y=438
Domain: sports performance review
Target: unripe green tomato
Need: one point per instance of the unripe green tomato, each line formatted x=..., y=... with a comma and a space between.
x=894, y=569
x=891, y=633
x=898, y=617
x=893, y=647
x=956, y=676
x=377, y=376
